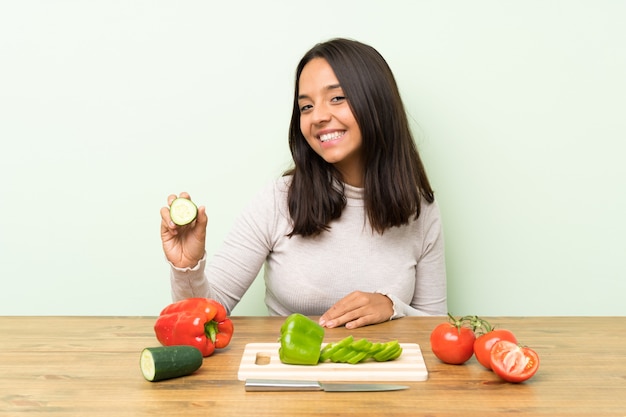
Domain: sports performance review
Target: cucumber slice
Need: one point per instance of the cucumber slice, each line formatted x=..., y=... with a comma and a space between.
x=183, y=211
x=165, y=362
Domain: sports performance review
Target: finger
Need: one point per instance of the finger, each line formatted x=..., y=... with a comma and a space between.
x=329, y=318
x=198, y=227
x=167, y=225
x=362, y=321
x=171, y=198
x=334, y=316
x=360, y=317
x=379, y=309
x=358, y=309
x=363, y=316
x=202, y=218
x=166, y=220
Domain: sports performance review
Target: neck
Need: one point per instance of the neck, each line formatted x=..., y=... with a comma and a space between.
x=351, y=174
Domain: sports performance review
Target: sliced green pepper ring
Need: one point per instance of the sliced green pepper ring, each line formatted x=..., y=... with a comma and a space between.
x=332, y=348
x=360, y=356
x=391, y=351
x=362, y=345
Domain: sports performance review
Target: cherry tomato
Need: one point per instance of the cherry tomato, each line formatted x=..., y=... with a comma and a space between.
x=452, y=343
x=513, y=363
x=484, y=343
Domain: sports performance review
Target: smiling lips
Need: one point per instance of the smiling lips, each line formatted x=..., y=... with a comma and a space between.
x=331, y=136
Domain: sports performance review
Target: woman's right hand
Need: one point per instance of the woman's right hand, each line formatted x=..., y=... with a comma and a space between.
x=184, y=246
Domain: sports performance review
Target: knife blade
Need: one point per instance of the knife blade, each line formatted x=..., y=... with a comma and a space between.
x=290, y=385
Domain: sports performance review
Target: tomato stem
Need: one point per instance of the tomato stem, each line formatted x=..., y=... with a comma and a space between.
x=478, y=325
x=459, y=322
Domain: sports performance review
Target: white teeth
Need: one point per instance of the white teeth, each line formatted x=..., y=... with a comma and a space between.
x=330, y=136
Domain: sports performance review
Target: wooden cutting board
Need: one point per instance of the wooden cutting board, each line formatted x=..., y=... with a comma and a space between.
x=409, y=366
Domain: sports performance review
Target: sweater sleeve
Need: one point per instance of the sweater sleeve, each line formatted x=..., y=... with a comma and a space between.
x=232, y=269
x=189, y=282
x=430, y=297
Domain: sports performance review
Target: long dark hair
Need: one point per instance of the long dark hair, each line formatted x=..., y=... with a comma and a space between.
x=395, y=178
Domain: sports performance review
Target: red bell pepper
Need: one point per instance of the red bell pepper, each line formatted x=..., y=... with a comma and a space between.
x=199, y=322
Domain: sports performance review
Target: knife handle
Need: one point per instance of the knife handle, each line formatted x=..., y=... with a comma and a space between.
x=281, y=385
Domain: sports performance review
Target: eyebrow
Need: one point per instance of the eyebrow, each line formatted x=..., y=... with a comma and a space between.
x=327, y=88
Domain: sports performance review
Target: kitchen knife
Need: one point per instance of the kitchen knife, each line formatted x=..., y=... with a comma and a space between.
x=289, y=385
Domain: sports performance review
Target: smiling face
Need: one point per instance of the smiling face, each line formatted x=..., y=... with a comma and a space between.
x=327, y=121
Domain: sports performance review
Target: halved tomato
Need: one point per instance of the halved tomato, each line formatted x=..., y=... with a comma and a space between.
x=513, y=363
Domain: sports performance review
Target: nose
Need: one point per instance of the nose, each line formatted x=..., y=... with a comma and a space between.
x=321, y=114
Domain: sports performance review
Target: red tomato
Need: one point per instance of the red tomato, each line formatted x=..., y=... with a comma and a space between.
x=513, y=363
x=452, y=343
x=484, y=343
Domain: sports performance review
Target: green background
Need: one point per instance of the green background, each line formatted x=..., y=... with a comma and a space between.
x=106, y=107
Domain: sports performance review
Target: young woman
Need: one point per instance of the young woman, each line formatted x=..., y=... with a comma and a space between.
x=352, y=233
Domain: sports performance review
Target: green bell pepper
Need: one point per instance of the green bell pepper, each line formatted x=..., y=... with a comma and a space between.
x=300, y=340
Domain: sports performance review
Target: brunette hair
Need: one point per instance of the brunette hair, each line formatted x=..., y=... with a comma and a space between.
x=394, y=176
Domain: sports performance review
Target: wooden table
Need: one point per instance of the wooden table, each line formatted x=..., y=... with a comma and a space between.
x=89, y=366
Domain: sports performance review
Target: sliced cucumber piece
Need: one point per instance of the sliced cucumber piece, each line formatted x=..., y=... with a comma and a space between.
x=183, y=211
x=165, y=362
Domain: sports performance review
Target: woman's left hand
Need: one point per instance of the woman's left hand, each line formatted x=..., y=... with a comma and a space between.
x=358, y=309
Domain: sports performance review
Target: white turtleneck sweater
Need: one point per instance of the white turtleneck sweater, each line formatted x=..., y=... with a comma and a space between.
x=309, y=275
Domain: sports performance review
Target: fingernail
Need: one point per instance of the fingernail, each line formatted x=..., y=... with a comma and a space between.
x=322, y=322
